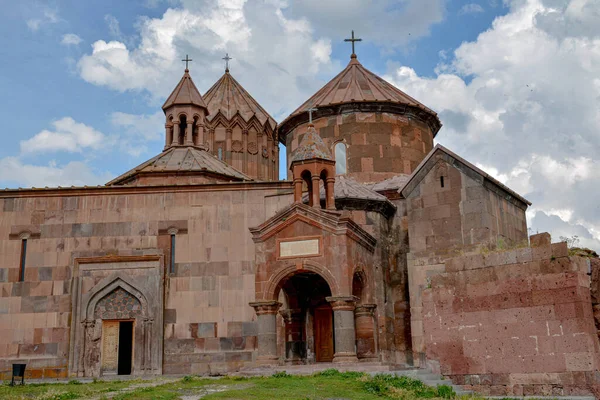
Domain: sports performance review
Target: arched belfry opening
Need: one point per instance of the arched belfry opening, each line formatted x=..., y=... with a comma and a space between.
x=182, y=130
x=313, y=168
x=305, y=328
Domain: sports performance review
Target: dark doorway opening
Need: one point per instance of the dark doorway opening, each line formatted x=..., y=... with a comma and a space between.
x=125, y=347
x=308, y=334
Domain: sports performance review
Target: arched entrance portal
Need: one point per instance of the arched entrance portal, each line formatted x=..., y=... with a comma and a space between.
x=305, y=333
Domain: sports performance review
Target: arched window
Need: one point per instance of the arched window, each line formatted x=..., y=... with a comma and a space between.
x=340, y=158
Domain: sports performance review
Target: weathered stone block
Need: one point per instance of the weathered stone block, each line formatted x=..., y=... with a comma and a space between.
x=207, y=329
x=540, y=239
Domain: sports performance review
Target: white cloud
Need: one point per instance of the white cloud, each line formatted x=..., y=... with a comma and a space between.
x=14, y=172
x=524, y=98
x=265, y=44
x=68, y=135
x=470, y=8
x=274, y=44
x=44, y=17
x=71, y=39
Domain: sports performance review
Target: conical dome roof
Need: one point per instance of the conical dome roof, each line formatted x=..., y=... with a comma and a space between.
x=185, y=93
x=229, y=97
x=356, y=84
x=311, y=147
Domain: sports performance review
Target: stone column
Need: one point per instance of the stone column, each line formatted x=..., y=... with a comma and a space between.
x=201, y=139
x=189, y=132
x=294, y=344
x=329, y=193
x=365, y=332
x=344, y=331
x=168, y=135
x=266, y=311
x=298, y=190
x=88, y=326
x=175, y=133
x=316, y=194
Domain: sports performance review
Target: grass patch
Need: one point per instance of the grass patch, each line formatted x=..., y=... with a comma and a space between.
x=326, y=384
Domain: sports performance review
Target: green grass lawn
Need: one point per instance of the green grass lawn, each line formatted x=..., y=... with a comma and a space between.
x=329, y=384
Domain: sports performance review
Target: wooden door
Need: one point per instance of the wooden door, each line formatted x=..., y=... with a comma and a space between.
x=323, y=324
x=110, y=347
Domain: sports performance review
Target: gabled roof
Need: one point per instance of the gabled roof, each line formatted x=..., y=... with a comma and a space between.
x=471, y=170
x=357, y=84
x=183, y=159
x=229, y=97
x=332, y=221
x=185, y=93
x=311, y=147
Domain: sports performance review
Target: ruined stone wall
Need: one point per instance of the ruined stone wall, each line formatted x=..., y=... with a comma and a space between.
x=446, y=220
x=207, y=321
x=379, y=145
x=517, y=322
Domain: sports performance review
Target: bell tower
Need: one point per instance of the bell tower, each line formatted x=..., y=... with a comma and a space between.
x=312, y=164
x=185, y=113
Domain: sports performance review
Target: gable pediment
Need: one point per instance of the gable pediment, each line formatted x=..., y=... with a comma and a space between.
x=326, y=220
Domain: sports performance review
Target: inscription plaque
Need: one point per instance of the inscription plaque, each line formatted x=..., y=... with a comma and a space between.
x=308, y=247
x=110, y=346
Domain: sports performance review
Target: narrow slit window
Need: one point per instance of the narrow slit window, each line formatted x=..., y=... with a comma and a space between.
x=172, y=264
x=220, y=153
x=23, y=259
x=340, y=158
x=442, y=181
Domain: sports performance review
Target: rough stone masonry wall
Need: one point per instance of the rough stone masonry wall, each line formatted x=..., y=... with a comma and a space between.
x=207, y=318
x=388, y=282
x=514, y=323
x=444, y=221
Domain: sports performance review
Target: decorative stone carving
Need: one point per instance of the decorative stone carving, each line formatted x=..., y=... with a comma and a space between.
x=237, y=146
x=118, y=304
x=265, y=153
x=252, y=148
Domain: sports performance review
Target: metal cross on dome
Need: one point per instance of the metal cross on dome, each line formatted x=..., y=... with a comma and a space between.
x=227, y=58
x=186, y=59
x=310, y=111
x=353, y=40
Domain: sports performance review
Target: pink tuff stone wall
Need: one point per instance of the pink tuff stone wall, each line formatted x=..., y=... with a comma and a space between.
x=518, y=322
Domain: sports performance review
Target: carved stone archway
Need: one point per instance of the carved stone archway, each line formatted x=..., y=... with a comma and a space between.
x=119, y=296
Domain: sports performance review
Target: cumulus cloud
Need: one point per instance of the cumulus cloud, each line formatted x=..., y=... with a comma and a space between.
x=71, y=39
x=275, y=44
x=266, y=45
x=14, y=172
x=525, y=98
x=470, y=8
x=68, y=135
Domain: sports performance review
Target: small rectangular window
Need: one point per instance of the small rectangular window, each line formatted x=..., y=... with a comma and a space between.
x=172, y=265
x=442, y=181
x=23, y=259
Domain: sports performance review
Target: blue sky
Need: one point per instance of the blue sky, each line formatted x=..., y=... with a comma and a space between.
x=514, y=81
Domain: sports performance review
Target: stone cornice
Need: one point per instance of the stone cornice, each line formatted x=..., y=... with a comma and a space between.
x=123, y=190
x=418, y=113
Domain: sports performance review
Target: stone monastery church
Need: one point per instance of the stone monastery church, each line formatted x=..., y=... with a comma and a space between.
x=200, y=260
